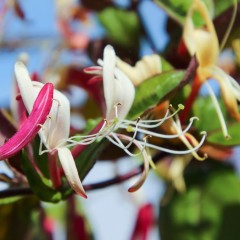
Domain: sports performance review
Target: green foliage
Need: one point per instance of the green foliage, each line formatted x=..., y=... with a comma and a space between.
x=122, y=26
x=86, y=160
x=177, y=9
x=204, y=109
x=209, y=121
x=208, y=210
x=40, y=186
x=15, y=218
x=151, y=91
x=9, y=200
x=216, y=137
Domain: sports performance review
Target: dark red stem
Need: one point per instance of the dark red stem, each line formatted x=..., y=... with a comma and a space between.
x=196, y=85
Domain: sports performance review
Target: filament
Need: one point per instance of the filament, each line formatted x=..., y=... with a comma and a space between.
x=218, y=110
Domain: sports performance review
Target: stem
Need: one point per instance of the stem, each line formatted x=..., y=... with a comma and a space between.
x=196, y=85
x=176, y=17
x=23, y=191
x=115, y=180
x=54, y=169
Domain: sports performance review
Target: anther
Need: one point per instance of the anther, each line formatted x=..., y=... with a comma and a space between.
x=181, y=106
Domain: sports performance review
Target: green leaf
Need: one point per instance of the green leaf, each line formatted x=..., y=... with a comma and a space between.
x=204, y=109
x=151, y=91
x=9, y=200
x=216, y=137
x=177, y=9
x=38, y=185
x=123, y=26
x=41, y=160
x=86, y=160
x=166, y=66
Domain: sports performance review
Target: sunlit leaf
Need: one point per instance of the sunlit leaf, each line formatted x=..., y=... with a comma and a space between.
x=177, y=9
x=204, y=109
x=151, y=91
x=216, y=137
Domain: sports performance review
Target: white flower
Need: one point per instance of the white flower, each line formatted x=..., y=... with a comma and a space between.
x=55, y=131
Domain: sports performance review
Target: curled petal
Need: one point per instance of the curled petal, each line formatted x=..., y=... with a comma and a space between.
x=70, y=170
x=93, y=70
x=202, y=42
x=32, y=125
x=230, y=90
x=176, y=170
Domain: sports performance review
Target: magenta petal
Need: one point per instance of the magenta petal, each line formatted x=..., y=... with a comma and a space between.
x=32, y=125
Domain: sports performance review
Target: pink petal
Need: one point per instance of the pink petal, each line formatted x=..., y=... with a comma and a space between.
x=32, y=125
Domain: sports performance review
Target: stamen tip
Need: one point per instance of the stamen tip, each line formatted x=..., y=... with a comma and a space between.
x=194, y=118
x=205, y=156
x=203, y=133
x=228, y=137
x=132, y=189
x=181, y=106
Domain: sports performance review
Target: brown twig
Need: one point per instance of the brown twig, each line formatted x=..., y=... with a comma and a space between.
x=23, y=191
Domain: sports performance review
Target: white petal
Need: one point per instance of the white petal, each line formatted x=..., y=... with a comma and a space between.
x=70, y=171
x=25, y=85
x=56, y=129
x=124, y=94
x=109, y=62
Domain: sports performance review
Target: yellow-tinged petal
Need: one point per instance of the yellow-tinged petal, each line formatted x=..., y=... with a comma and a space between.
x=70, y=170
x=202, y=42
x=176, y=170
x=145, y=68
x=230, y=91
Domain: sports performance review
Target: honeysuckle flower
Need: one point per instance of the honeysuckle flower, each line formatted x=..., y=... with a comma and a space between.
x=56, y=129
x=31, y=126
x=145, y=68
x=204, y=43
x=119, y=95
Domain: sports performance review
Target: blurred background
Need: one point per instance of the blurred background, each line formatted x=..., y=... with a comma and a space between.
x=56, y=39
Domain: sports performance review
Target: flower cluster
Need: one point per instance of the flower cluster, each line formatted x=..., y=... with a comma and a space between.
x=119, y=96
